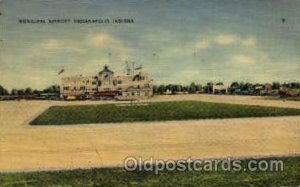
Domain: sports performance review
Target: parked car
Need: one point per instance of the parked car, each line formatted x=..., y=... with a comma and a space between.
x=264, y=92
x=70, y=98
x=274, y=93
x=286, y=93
x=81, y=97
x=54, y=97
x=125, y=98
x=219, y=92
x=245, y=92
x=234, y=91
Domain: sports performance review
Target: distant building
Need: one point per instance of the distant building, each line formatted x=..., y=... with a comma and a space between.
x=219, y=88
x=107, y=84
x=258, y=87
x=268, y=86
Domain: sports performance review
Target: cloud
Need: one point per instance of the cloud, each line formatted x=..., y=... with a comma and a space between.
x=228, y=39
x=242, y=59
x=51, y=44
x=109, y=44
x=101, y=40
x=250, y=41
x=96, y=40
x=204, y=44
x=92, y=66
x=225, y=39
x=59, y=46
x=172, y=52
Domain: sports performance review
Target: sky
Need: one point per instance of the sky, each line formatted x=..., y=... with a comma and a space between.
x=176, y=41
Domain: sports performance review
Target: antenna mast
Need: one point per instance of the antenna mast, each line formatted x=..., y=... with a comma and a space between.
x=130, y=67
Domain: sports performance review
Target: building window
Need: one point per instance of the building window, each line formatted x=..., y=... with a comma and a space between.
x=137, y=78
x=82, y=88
x=115, y=82
x=119, y=82
x=66, y=88
x=94, y=82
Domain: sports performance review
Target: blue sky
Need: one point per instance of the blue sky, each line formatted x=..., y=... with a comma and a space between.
x=196, y=40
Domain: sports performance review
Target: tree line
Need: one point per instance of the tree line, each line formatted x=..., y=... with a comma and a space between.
x=174, y=88
x=194, y=88
x=29, y=91
x=158, y=89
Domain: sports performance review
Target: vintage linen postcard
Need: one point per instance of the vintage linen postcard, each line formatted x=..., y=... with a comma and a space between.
x=149, y=93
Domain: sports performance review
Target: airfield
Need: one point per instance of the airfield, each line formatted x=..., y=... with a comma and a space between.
x=25, y=147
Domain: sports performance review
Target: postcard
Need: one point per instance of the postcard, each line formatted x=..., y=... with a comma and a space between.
x=149, y=93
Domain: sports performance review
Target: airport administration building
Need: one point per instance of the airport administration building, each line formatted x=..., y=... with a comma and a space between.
x=133, y=85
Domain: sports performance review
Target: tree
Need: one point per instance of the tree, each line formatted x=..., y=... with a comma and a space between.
x=20, y=92
x=3, y=91
x=161, y=89
x=242, y=84
x=295, y=85
x=155, y=89
x=192, y=88
x=14, y=92
x=235, y=84
x=179, y=88
x=198, y=87
x=176, y=88
x=169, y=87
x=37, y=92
x=172, y=88
x=275, y=85
x=209, y=87
x=28, y=91
x=246, y=86
x=52, y=89
x=185, y=88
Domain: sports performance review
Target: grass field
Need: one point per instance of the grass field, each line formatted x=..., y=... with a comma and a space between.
x=119, y=177
x=154, y=111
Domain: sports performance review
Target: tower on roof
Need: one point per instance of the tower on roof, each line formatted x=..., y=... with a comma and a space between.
x=106, y=71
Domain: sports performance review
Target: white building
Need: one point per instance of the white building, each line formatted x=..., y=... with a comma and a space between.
x=219, y=88
x=106, y=84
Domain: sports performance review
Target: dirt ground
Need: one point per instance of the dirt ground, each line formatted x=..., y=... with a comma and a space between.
x=24, y=147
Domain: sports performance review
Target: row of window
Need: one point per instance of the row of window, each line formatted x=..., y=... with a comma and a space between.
x=74, y=88
x=135, y=78
x=83, y=87
x=138, y=93
x=66, y=88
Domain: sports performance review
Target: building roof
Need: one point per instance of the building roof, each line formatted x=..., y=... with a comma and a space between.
x=106, y=70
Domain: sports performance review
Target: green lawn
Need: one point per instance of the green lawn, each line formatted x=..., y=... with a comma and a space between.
x=290, y=176
x=156, y=111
